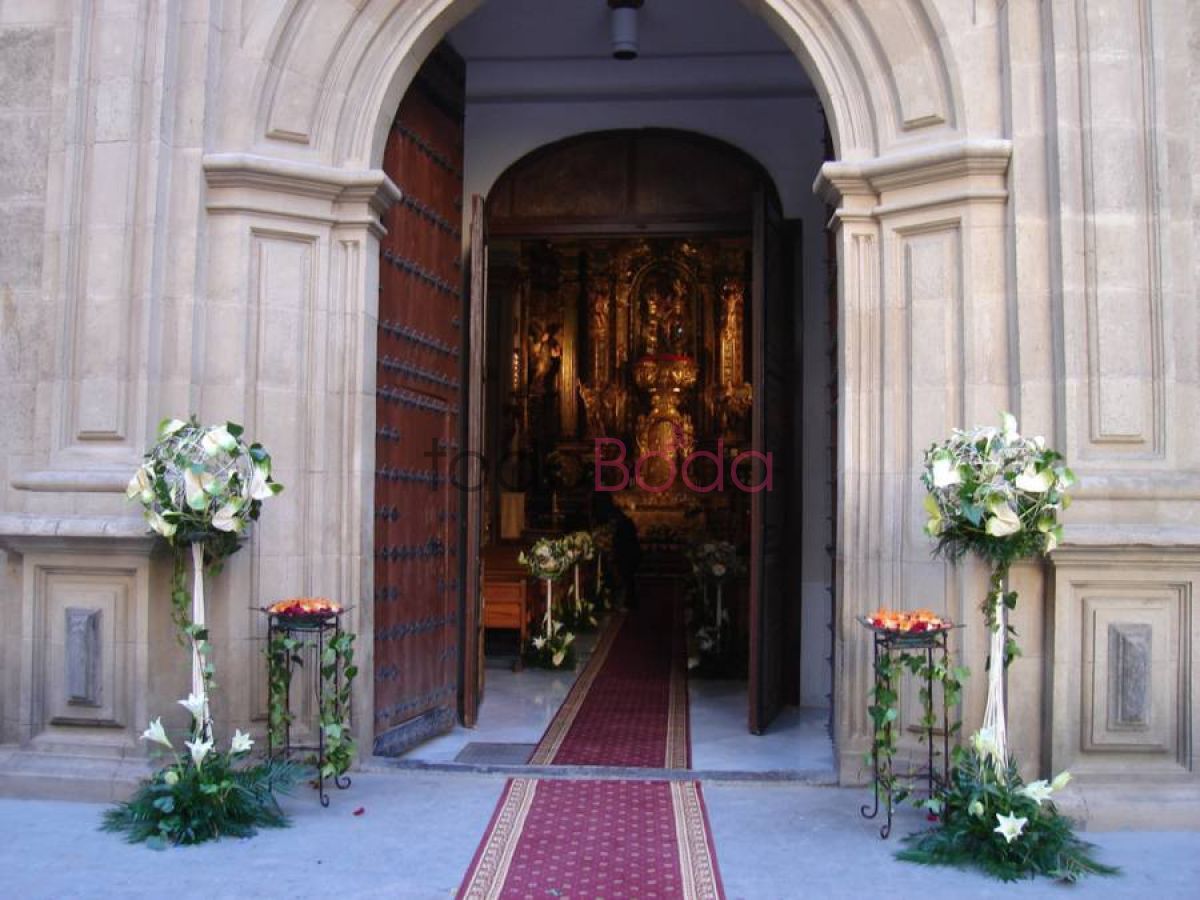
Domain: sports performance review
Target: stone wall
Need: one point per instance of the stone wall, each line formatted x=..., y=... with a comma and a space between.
x=1018, y=210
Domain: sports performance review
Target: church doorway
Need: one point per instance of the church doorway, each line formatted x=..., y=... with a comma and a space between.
x=641, y=293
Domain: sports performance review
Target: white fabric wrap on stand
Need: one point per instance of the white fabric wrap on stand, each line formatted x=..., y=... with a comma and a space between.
x=198, y=620
x=993, y=714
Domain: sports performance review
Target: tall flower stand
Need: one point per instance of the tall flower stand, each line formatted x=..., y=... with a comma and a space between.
x=317, y=632
x=892, y=650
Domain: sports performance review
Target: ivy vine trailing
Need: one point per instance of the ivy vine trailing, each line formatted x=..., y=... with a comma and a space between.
x=336, y=672
x=885, y=713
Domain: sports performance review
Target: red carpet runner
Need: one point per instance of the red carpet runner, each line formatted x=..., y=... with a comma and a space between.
x=615, y=839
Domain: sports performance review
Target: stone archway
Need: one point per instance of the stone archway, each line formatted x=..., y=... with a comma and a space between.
x=920, y=190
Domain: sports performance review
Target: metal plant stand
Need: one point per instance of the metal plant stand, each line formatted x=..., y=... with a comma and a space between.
x=930, y=643
x=324, y=629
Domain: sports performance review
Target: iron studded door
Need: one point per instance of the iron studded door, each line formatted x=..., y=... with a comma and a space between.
x=418, y=412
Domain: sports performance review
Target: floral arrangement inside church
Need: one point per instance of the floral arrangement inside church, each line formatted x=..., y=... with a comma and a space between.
x=548, y=560
x=998, y=494
x=714, y=564
x=201, y=487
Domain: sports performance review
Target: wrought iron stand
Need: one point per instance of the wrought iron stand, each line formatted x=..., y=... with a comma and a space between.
x=323, y=628
x=929, y=643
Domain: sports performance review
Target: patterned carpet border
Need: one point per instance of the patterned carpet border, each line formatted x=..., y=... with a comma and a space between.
x=697, y=861
x=556, y=731
x=489, y=868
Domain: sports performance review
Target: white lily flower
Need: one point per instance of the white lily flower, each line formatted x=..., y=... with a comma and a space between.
x=1061, y=780
x=226, y=518
x=1003, y=520
x=945, y=472
x=159, y=525
x=1034, y=482
x=1010, y=427
x=558, y=657
x=199, y=750
x=157, y=734
x=1037, y=791
x=1010, y=826
x=195, y=487
x=217, y=439
x=195, y=704
x=539, y=642
x=984, y=742
x=241, y=743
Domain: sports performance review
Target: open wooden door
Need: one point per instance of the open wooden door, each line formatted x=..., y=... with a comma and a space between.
x=418, y=529
x=471, y=474
x=771, y=328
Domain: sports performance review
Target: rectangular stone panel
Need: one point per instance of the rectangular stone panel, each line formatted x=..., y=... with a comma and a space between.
x=1131, y=678
x=83, y=656
x=1129, y=662
x=1121, y=193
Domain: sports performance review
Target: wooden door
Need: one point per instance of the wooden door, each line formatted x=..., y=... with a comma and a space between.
x=770, y=587
x=472, y=472
x=418, y=528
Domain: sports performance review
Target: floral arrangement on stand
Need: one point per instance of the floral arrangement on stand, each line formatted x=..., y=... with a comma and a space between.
x=884, y=711
x=548, y=559
x=201, y=487
x=581, y=611
x=336, y=671
x=714, y=563
x=997, y=494
x=603, y=539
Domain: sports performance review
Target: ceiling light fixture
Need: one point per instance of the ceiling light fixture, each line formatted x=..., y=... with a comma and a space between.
x=625, y=28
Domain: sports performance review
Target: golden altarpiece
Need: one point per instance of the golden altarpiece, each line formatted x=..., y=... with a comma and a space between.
x=619, y=282
x=635, y=349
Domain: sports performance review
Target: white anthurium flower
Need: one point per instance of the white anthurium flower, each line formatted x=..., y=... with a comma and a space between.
x=1003, y=520
x=241, y=743
x=141, y=485
x=567, y=640
x=195, y=704
x=199, y=750
x=976, y=809
x=259, y=488
x=157, y=734
x=195, y=488
x=1053, y=538
x=945, y=472
x=1034, y=482
x=1061, y=780
x=1037, y=791
x=226, y=518
x=1010, y=826
x=159, y=525
x=168, y=427
x=171, y=777
x=217, y=439
x=558, y=657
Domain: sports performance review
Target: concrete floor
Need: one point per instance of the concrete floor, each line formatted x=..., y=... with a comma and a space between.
x=517, y=707
x=419, y=830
